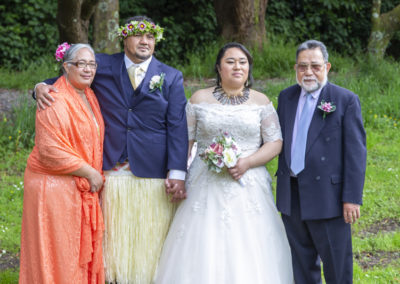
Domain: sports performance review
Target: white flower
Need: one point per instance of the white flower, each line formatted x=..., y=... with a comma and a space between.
x=159, y=37
x=230, y=158
x=156, y=82
x=228, y=140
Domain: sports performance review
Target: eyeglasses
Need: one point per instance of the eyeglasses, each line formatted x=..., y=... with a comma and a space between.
x=83, y=64
x=314, y=67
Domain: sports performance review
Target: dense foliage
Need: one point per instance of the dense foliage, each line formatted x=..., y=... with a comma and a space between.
x=343, y=25
x=28, y=28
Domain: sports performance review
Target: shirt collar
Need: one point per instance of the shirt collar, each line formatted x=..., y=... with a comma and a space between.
x=144, y=65
x=314, y=94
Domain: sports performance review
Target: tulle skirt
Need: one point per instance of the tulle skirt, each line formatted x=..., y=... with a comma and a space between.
x=224, y=233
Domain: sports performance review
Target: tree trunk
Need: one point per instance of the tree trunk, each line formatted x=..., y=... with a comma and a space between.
x=73, y=17
x=105, y=26
x=383, y=28
x=242, y=21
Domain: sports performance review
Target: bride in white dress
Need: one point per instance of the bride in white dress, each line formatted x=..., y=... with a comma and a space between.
x=225, y=233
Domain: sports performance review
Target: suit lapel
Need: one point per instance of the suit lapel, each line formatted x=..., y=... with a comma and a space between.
x=290, y=114
x=120, y=75
x=143, y=89
x=317, y=122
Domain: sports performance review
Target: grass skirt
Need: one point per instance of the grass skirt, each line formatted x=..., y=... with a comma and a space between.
x=137, y=214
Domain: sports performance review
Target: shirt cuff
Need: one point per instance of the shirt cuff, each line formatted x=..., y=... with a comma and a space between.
x=34, y=89
x=177, y=174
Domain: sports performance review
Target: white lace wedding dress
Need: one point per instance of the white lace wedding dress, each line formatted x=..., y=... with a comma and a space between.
x=224, y=233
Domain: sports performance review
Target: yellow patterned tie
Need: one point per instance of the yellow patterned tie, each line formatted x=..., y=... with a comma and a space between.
x=132, y=75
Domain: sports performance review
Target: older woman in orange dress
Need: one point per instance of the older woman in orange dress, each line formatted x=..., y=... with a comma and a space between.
x=62, y=224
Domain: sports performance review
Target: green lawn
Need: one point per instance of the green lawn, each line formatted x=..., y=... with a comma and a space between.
x=376, y=236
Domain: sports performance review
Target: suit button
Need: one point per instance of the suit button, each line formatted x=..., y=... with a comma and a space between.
x=327, y=139
x=129, y=129
x=317, y=178
x=322, y=158
x=130, y=109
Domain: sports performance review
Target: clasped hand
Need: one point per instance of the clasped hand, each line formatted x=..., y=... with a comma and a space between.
x=175, y=188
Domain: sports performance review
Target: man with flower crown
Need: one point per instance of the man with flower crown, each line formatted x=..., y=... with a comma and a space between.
x=321, y=169
x=143, y=103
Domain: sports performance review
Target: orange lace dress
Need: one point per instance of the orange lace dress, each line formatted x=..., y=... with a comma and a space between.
x=62, y=223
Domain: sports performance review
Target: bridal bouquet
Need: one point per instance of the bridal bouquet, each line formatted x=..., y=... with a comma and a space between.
x=223, y=152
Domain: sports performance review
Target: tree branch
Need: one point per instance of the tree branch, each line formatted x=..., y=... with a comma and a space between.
x=383, y=28
x=88, y=8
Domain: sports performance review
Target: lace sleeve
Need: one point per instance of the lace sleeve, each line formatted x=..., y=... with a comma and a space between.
x=270, y=127
x=191, y=121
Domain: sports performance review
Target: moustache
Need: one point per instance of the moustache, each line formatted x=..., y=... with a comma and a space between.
x=309, y=78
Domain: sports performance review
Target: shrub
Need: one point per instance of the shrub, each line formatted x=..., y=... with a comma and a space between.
x=28, y=31
x=344, y=26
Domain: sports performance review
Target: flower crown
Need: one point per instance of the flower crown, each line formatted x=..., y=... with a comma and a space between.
x=142, y=27
x=60, y=51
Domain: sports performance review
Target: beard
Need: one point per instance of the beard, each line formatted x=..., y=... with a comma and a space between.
x=314, y=85
x=142, y=57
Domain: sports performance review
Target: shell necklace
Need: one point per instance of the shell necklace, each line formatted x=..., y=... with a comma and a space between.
x=225, y=99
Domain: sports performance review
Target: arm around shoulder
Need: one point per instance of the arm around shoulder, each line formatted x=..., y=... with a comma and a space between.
x=42, y=93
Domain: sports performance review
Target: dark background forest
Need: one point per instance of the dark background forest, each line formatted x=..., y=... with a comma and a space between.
x=28, y=28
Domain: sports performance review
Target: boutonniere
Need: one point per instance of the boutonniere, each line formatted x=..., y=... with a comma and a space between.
x=326, y=107
x=156, y=82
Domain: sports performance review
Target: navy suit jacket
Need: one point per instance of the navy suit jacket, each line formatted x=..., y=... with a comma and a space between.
x=335, y=159
x=151, y=126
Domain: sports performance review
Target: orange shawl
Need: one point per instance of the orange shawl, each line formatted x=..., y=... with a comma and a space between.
x=66, y=138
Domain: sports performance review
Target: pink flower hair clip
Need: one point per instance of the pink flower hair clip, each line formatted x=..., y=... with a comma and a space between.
x=60, y=51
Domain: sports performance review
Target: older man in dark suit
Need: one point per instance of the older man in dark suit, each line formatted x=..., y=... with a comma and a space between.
x=321, y=170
